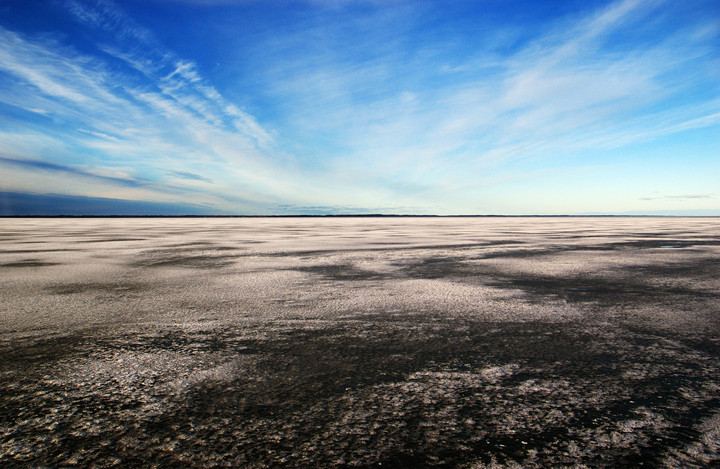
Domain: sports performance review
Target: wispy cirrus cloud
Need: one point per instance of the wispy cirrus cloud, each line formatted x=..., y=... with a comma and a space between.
x=354, y=103
x=181, y=91
x=679, y=197
x=105, y=177
x=589, y=82
x=155, y=113
x=192, y=176
x=156, y=119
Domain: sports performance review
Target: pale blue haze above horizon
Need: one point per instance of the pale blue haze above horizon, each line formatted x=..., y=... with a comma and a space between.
x=360, y=106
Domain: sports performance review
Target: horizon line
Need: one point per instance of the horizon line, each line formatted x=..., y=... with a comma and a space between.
x=364, y=215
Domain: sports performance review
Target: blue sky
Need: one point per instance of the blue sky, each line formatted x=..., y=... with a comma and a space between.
x=333, y=106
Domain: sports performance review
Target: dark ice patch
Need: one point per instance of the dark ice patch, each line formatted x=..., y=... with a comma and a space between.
x=191, y=261
x=110, y=240
x=521, y=253
x=188, y=258
x=697, y=267
x=341, y=272
x=29, y=263
x=395, y=387
x=611, y=246
x=35, y=251
x=436, y=267
x=623, y=291
x=424, y=247
x=661, y=243
x=110, y=288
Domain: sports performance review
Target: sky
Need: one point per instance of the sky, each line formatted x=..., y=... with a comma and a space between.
x=276, y=107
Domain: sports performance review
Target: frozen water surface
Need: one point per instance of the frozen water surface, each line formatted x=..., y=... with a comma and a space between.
x=463, y=342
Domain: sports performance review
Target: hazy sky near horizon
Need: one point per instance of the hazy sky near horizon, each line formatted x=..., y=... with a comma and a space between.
x=342, y=106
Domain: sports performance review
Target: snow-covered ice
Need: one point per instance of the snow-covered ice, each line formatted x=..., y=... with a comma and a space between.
x=470, y=342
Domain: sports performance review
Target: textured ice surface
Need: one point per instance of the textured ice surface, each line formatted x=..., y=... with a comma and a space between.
x=471, y=342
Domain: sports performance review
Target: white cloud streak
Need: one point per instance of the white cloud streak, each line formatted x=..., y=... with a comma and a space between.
x=679, y=197
x=166, y=120
x=565, y=92
x=361, y=121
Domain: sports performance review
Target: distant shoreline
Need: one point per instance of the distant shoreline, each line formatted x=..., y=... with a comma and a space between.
x=374, y=215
